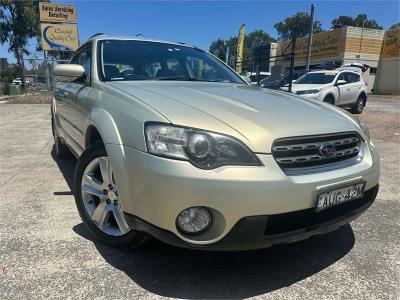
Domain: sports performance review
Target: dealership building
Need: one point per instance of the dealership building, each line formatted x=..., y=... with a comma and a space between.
x=339, y=46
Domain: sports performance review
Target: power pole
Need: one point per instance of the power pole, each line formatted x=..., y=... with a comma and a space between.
x=292, y=64
x=310, y=38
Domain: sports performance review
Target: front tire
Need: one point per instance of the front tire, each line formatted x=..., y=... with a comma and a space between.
x=359, y=105
x=97, y=200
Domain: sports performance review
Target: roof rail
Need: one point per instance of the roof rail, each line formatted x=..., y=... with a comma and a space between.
x=96, y=35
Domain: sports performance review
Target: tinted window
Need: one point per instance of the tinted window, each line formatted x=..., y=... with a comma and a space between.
x=349, y=77
x=140, y=60
x=316, y=78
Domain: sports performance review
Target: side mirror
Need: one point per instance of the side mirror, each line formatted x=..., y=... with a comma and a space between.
x=72, y=71
x=341, y=82
x=247, y=79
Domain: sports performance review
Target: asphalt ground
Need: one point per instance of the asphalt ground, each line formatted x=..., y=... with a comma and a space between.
x=46, y=252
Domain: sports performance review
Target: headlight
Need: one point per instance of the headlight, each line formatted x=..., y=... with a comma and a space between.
x=307, y=92
x=205, y=150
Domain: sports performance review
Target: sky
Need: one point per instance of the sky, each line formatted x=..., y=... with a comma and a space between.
x=201, y=22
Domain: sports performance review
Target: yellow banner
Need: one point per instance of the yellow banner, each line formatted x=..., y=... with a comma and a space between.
x=391, y=44
x=324, y=44
x=240, y=46
x=57, y=12
x=59, y=37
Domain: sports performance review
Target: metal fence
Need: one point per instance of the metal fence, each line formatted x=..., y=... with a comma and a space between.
x=39, y=74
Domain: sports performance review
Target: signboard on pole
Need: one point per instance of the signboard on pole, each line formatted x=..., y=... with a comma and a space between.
x=324, y=44
x=57, y=13
x=61, y=37
x=391, y=44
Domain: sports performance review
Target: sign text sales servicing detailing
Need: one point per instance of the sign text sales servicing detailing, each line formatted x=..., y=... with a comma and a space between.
x=57, y=12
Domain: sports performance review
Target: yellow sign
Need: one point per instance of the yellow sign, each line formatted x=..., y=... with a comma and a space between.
x=391, y=44
x=59, y=37
x=324, y=44
x=240, y=45
x=57, y=12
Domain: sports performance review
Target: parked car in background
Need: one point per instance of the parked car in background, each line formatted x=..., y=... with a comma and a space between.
x=343, y=87
x=253, y=77
x=173, y=144
x=18, y=81
x=282, y=82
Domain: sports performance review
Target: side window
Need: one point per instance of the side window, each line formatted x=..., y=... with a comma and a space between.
x=341, y=77
x=355, y=78
x=83, y=58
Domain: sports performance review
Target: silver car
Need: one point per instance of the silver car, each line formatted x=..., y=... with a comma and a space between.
x=172, y=143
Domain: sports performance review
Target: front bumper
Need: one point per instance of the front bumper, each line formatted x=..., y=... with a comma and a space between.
x=156, y=190
x=257, y=232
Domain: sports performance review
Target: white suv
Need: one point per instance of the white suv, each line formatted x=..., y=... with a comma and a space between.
x=341, y=87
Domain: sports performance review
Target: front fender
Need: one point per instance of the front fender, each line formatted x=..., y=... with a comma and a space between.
x=105, y=124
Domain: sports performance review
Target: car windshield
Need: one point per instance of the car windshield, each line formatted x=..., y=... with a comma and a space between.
x=316, y=78
x=126, y=60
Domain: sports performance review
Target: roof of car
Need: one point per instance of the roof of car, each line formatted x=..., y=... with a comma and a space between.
x=334, y=71
x=99, y=37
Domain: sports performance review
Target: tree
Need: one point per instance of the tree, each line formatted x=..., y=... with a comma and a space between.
x=251, y=40
x=342, y=21
x=218, y=48
x=19, y=21
x=394, y=26
x=296, y=26
x=358, y=21
x=8, y=74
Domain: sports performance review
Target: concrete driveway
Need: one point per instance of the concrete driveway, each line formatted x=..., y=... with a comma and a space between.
x=45, y=251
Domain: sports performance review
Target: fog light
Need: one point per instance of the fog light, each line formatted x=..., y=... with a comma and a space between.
x=193, y=220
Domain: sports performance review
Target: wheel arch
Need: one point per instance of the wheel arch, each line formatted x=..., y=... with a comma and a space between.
x=330, y=94
x=101, y=127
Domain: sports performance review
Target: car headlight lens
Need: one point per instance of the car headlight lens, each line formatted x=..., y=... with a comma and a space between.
x=205, y=150
x=307, y=92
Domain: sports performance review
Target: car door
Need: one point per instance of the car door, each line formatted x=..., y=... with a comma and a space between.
x=355, y=87
x=344, y=91
x=75, y=93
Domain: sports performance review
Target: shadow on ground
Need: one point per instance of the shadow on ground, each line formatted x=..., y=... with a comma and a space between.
x=182, y=273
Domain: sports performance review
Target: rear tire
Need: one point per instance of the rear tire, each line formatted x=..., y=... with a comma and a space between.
x=329, y=99
x=60, y=149
x=99, y=210
x=359, y=105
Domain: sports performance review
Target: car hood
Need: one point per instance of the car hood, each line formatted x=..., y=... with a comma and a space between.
x=303, y=87
x=254, y=115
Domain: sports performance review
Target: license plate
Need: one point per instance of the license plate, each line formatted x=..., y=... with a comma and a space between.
x=333, y=197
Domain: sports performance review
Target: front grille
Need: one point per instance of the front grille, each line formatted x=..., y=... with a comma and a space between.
x=304, y=152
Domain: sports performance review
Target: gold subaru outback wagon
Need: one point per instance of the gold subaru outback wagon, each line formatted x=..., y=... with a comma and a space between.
x=172, y=143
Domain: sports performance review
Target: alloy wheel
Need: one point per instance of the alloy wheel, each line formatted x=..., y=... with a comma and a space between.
x=360, y=105
x=100, y=197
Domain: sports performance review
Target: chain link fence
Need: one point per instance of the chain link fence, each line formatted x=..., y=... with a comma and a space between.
x=38, y=76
